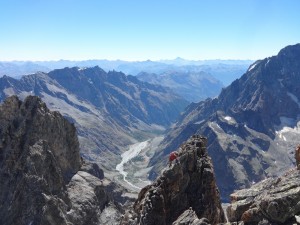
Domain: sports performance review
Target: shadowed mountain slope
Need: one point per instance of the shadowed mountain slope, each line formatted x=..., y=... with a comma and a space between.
x=193, y=86
x=252, y=127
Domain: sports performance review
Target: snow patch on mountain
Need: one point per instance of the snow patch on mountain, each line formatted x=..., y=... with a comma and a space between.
x=228, y=118
x=252, y=67
x=199, y=122
x=287, y=136
x=289, y=132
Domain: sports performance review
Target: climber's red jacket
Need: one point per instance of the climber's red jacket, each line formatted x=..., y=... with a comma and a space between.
x=172, y=156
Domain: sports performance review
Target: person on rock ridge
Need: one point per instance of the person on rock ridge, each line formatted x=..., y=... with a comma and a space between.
x=297, y=157
x=173, y=156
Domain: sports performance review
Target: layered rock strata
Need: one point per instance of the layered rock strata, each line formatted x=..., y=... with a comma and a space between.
x=272, y=201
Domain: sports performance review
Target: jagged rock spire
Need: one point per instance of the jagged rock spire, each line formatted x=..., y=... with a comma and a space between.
x=190, y=182
x=40, y=181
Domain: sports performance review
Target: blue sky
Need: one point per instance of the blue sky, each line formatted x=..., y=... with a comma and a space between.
x=141, y=30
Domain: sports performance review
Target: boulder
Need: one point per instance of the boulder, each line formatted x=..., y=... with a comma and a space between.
x=272, y=201
x=189, y=217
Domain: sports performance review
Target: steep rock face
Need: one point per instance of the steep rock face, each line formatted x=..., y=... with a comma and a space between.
x=252, y=126
x=28, y=124
x=39, y=169
x=110, y=110
x=272, y=201
x=187, y=183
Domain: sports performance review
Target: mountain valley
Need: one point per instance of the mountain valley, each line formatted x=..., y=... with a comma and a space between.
x=251, y=135
x=92, y=164
x=110, y=110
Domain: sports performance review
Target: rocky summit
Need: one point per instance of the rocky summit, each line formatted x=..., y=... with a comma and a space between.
x=185, y=191
x=271, y=201
x=43, y=178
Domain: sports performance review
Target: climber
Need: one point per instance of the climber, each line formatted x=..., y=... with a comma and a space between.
x=172, y=156
x=297, y=157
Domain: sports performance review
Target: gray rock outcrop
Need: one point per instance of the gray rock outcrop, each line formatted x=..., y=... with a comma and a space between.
x=189, y=182
x=189, y=217
x=272, y=201
x=41, y=181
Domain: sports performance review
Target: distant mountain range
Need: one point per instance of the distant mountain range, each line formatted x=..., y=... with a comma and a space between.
x=110, y=110
x=252, y=127
x=224, y=70
x=17, y=69
x=193, y=86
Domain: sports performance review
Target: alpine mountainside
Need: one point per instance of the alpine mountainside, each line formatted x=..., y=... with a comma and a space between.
x=252, y=126
x=43, y=178
x=193, y=86
x=110, y=110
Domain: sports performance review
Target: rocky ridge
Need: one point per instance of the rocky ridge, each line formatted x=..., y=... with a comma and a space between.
x=188, y=183
x=271, y=201
x=43, y=178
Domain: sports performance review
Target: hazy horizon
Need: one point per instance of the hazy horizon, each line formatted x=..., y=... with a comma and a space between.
x=112, y=60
